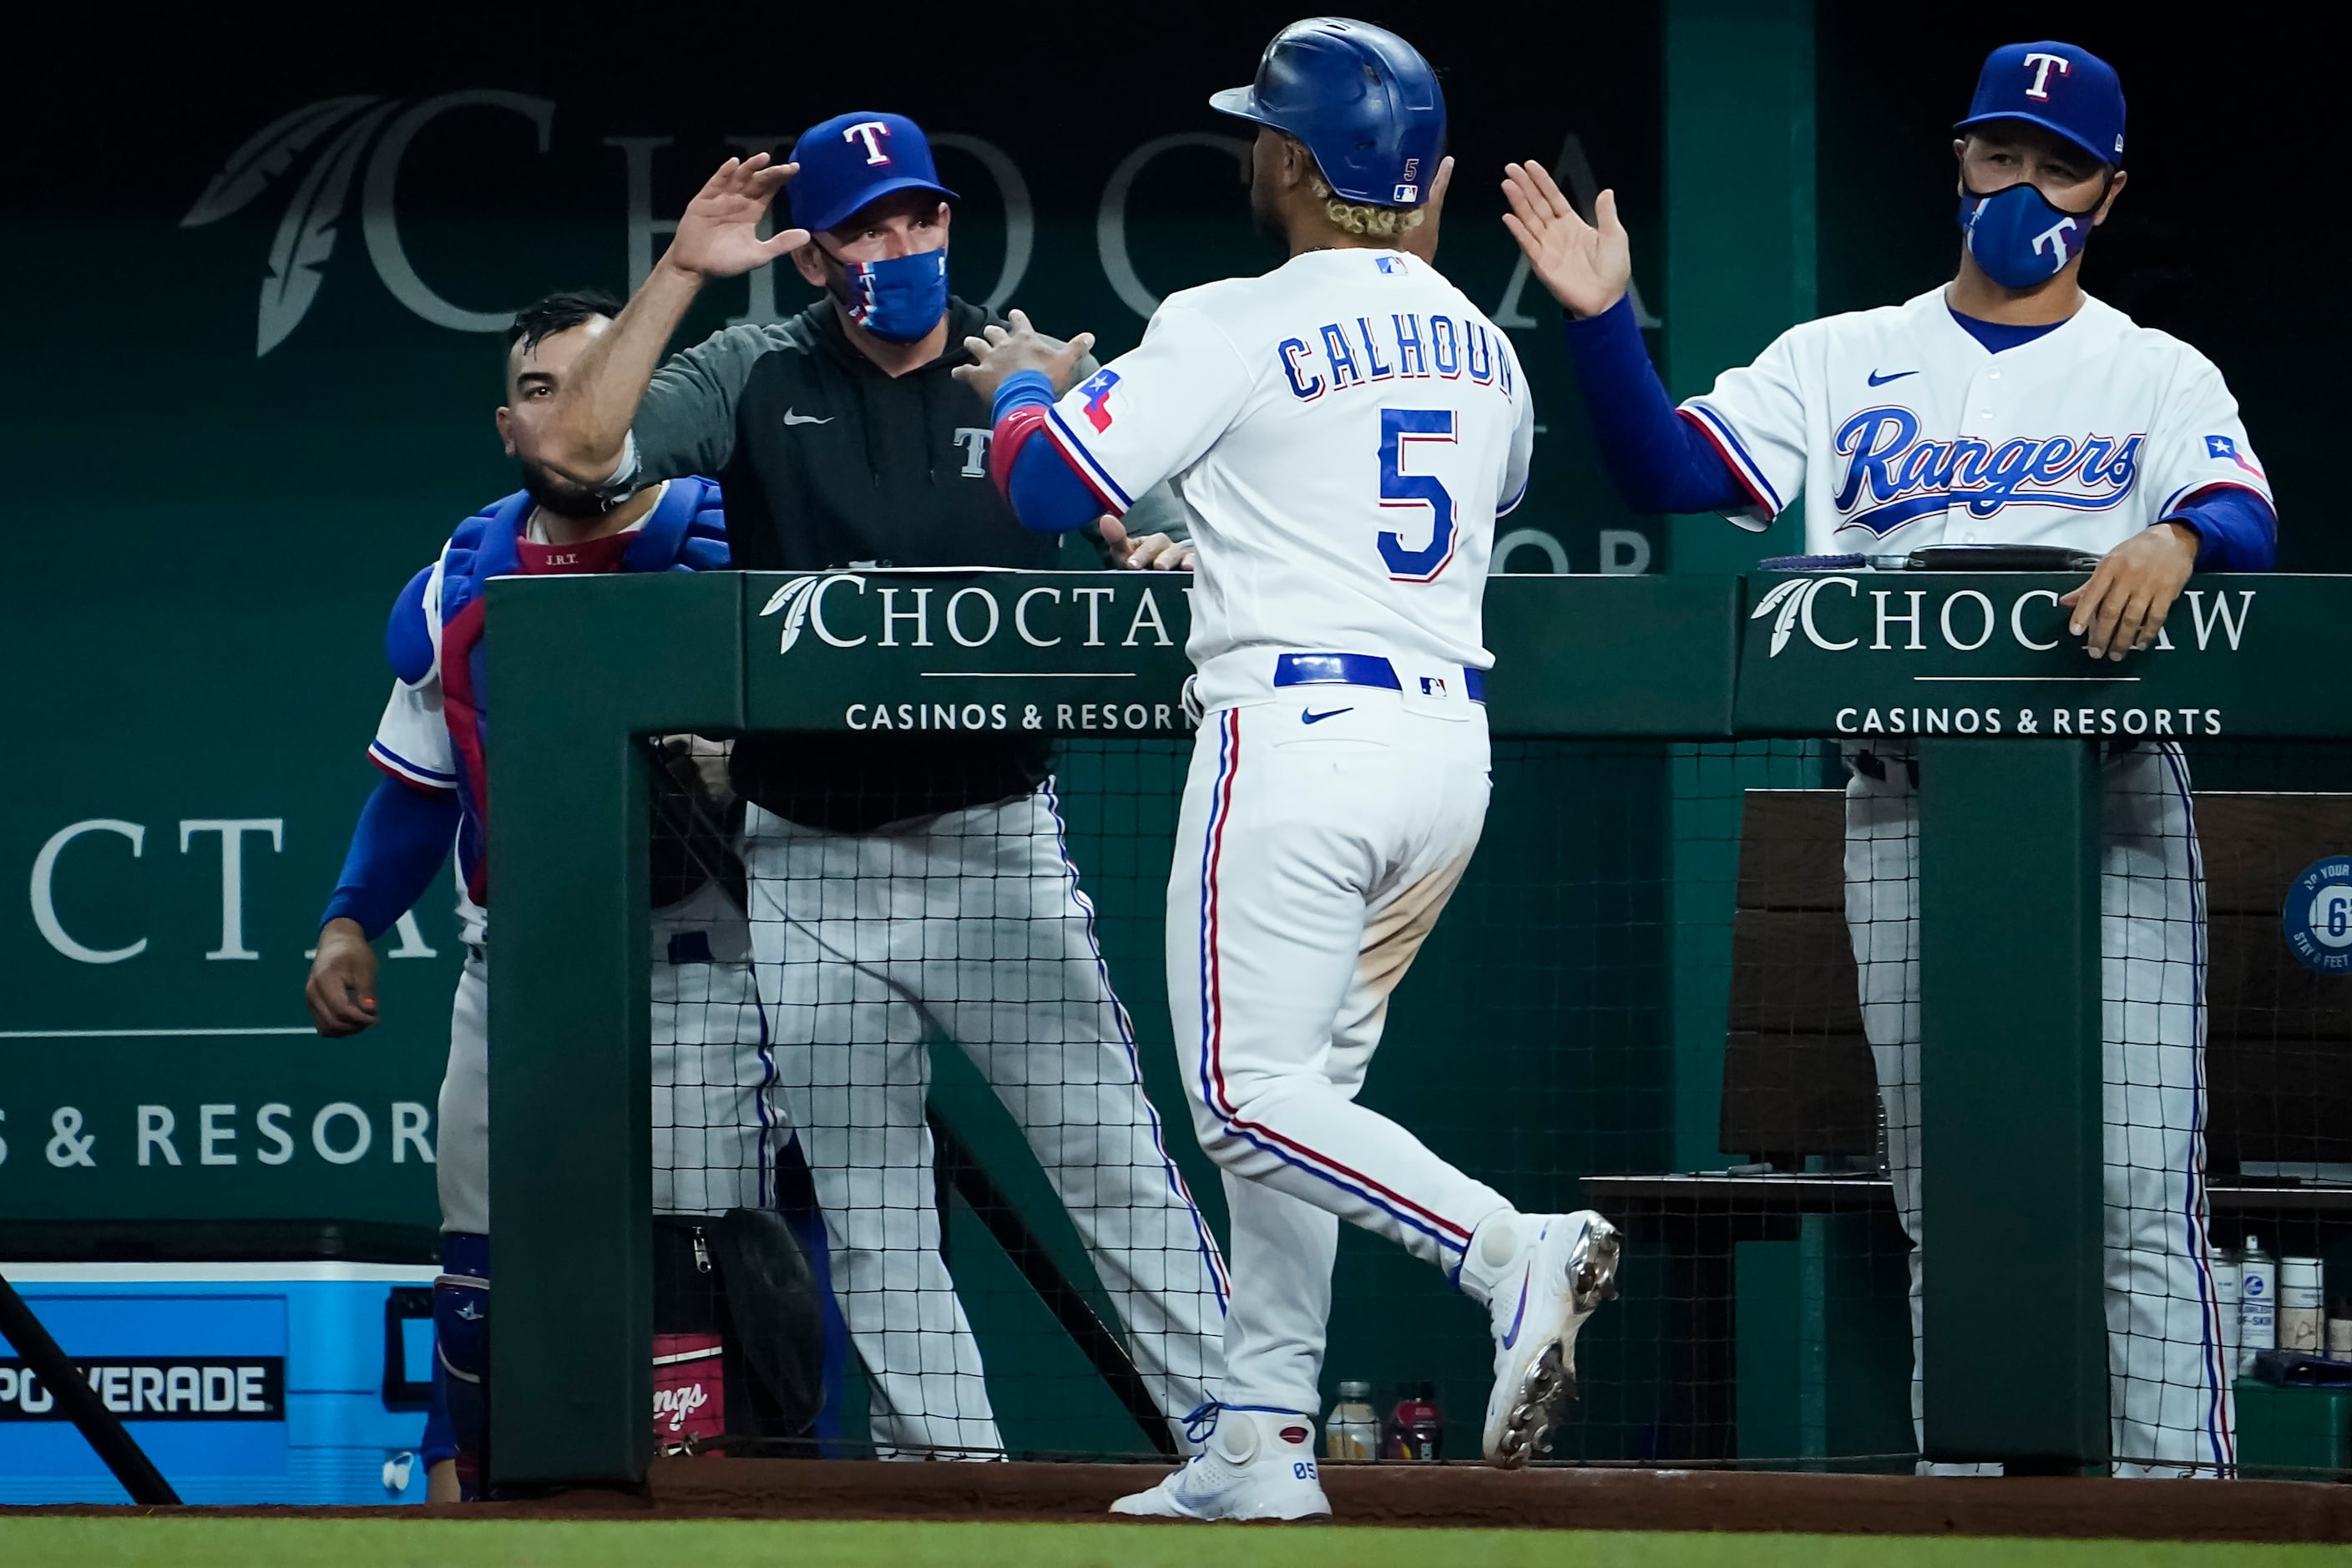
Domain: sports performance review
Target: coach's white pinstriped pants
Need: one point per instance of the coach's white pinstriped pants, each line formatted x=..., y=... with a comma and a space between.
x=2171, y=1408
x=973, y=920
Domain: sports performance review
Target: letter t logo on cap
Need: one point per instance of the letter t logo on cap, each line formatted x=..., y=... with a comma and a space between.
x=2040, y=65
x=866, y=130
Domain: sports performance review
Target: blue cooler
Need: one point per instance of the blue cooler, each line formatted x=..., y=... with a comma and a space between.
x=246, y=1383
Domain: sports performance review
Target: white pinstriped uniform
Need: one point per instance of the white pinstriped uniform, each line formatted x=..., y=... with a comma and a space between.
x=1346, y=428
x=1900, y=429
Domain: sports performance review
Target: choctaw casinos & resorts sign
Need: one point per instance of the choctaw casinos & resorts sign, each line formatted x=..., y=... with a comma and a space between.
x=1905, y=654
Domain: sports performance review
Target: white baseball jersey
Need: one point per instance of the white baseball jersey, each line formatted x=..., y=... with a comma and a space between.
x=412, y=742
x=1346, y=428
x=1904, y=431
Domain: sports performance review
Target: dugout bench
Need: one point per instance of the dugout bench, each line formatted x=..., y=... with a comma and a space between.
x=1801, y=1106
x=2007, y=712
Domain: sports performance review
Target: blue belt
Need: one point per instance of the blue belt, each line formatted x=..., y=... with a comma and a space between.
x=1357, y=669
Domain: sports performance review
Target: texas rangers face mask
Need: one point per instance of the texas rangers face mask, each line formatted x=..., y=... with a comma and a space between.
x=900, y=298
x=2019, y=238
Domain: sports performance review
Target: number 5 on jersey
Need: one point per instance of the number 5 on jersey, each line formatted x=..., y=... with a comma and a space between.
x=1401, y=430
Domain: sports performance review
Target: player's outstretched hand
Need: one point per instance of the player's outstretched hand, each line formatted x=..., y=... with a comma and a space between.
x=1421, y=239
x=1152, y=552
x=2122, y=607
x=1022, y=346
x=719, y=234
x=1587, y=265
x=341, y=992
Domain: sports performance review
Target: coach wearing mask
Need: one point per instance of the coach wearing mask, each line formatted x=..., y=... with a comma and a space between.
x=901, y=884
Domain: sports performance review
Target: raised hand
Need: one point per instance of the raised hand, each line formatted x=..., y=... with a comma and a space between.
x=1002, y=350
x=1587, y=265
x=719, y=234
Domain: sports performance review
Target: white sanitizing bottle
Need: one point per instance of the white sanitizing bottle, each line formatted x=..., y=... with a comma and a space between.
x=1353, y=1431
x=2257, y=1303
x=2302, y=1306
x=2225, y=1290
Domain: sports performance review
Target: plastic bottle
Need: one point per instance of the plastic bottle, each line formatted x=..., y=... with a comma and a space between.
x=1417, y=1431
x=2226, y=1265
x=1353, y=1430
x=2257, y=1303
x=2302, y=1305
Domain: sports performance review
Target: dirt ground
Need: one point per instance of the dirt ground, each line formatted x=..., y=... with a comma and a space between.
x=1472, y=1496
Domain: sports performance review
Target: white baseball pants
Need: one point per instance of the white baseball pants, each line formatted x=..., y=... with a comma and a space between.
x=974, y=921
x=2171, y=1407
x=717, y=1123
x=1313, y=857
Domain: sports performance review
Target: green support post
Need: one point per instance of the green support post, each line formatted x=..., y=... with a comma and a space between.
x=2015, y=1358
x=1739, y=270
x=1741, y=227
x=577, y=673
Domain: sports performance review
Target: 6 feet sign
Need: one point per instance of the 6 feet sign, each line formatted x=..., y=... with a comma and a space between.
x=1900, y=654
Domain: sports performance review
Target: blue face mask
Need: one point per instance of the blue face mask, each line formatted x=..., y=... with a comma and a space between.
x=2019, y=238
x=898, y=299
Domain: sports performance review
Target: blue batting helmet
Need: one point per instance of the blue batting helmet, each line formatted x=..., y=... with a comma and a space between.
x=1359, y=97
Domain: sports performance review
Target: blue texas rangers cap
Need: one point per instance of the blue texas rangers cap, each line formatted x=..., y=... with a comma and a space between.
x=850, y=160
x=2058, y=87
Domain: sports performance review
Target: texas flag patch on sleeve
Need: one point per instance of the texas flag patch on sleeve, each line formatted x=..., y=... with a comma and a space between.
x=2222, y=447
x=1097, y=388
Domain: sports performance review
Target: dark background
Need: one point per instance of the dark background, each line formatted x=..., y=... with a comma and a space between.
x=203, y=542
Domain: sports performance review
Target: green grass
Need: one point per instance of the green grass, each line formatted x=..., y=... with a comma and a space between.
x=717, y=1544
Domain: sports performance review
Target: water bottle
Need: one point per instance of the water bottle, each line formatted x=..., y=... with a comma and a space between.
x=2257, y=1304
x=1353, y=1431
x=2226, y=1290
x=2302, y=1306
x=1416, y=1430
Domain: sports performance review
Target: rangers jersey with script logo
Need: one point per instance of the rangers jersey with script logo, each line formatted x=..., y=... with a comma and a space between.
x=1346, y=429
x=1903, y=430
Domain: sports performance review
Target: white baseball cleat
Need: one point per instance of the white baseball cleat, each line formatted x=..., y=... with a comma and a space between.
x=1561, y=1276
x=1252, y=1464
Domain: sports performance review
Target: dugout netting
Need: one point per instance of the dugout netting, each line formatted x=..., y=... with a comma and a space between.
x=1678, y=984
x=1775, y=1007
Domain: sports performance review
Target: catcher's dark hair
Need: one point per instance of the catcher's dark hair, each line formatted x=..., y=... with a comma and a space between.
x=558, y=312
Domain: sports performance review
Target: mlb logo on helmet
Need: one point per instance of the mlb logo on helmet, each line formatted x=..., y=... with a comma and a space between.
x=851, y=160
x=1362, y=99
x=2066, y=91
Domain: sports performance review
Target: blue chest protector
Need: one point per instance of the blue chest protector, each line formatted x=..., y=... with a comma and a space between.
x=687, y=532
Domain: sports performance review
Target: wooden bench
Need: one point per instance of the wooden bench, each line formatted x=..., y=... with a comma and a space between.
x=1797, y=1077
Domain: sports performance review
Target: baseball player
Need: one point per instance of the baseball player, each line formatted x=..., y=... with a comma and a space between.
x=1346, y=428
x=2006, y=406
x=902, y=886
x=717, y=1128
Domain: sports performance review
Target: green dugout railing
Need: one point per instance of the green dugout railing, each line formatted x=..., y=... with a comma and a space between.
x=2006, y=710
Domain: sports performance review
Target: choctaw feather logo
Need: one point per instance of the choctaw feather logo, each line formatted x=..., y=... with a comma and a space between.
x=306, y=235
x=1794, y=600
x=340, y=130
x=796, y=598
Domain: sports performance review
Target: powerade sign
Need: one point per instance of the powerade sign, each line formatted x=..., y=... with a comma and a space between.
x=158, y=1388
